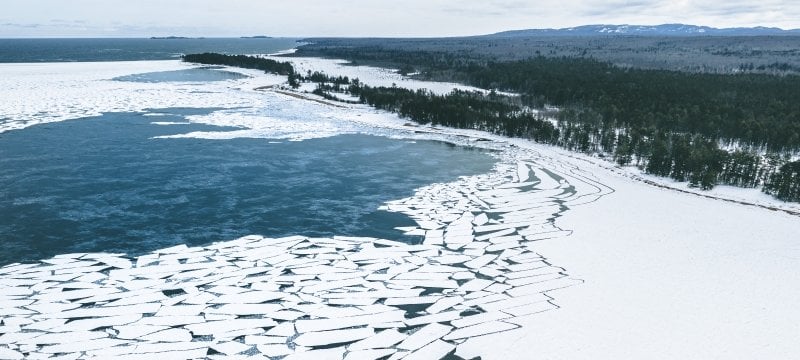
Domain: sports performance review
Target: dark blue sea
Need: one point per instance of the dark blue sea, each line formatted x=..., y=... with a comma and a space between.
x=108, y=184
x=60, y=50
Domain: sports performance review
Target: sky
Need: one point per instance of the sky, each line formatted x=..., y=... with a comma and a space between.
x=406, y=18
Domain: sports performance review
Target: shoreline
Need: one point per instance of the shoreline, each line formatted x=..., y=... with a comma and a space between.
x=639, y=256
x=333, y=280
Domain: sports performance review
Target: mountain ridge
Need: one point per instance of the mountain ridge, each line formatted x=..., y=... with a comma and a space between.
x=647, y=30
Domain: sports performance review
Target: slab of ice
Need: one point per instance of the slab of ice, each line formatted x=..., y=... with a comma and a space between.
x=543, y=286
x=230, y=347
x=274, y=350
x=244, y=309
x=326, y=354
x=441, y=317
x=168, y=335
x=424, y=336
x=384, y=339
x=372, y=354
x=217, y=327
x=303, y=326
x=133, y=332
x=480, y=262
x=6, y=353
x=94, y=323
x=265, y=339
x=444, y=304
x=78, y=346
x=486, y=328
x=433, y=351
x=250, y=297
x=330, y=337
x=101, y=311
x=475, y=285
x=529, y=309
x=64, y=337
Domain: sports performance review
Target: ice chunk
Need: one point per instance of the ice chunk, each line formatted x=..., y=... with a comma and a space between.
x=274, y=350
x=90, y=324
x=169, y=335
x=376, y=294
x=326, y=354
x=250, y=297
x=331, y=337
x=64, y=337
x=216, y=327
x=424, y=336
x=101, y=311
x=481, y=219
x=9, y=354
x=433, y=351
x=444, y=304
x=373, y=354
x=412, y=300
x=515, y=301
x=137, y=331
x=78, y=346
x=480, y=262
x=244, y=309
x=230, y=347
x=480, y=329
x=384, y=339
x=543, y=286
x=530, y=308
x=303, y=326
x=181, y=310
x=430, y=283
x=475, y=285
x=480, y=318
x=171, y=320
x=284, y=329
x=434, y=318
x=264, y=339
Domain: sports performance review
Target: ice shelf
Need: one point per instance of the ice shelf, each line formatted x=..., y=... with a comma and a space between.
x=310, y=298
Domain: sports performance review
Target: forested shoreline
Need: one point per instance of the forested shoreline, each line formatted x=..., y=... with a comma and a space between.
x=667, y=123
x=242, y=61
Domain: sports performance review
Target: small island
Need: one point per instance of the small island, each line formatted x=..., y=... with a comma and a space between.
x=173, y=38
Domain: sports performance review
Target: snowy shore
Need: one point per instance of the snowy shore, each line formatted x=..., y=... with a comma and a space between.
x=553, y=255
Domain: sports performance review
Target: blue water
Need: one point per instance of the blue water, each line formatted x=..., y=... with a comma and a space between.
x=59, y=50
x=201, y=74
x=104, y=184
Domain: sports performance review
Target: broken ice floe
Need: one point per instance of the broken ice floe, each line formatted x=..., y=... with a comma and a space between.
x=312, y=298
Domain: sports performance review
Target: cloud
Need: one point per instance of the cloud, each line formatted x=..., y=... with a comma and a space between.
x=618, y=7
x=369, y=17
x=21, y=26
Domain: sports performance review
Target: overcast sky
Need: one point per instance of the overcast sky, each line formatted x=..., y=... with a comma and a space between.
x=299, y=18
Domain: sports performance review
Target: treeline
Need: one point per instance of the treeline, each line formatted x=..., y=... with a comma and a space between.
x=461, y=109
x=679, y=156
x=668, y=123
x=752, y=109
x=242, y=61
x=785, y=184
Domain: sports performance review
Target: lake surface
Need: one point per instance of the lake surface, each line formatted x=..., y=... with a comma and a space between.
x=202, y=74
x=59, y=50
x=105, y=184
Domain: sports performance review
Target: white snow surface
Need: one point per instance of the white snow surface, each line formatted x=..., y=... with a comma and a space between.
x=370, y=75
x=665, y=274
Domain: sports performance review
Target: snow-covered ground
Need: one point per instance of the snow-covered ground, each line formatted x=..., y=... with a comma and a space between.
x=665, y=274
x=370, y=75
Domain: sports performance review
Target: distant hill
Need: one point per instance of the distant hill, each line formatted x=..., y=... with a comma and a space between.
x=648, y=30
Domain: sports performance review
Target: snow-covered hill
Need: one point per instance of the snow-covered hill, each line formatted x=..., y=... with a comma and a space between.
x=649, y=30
